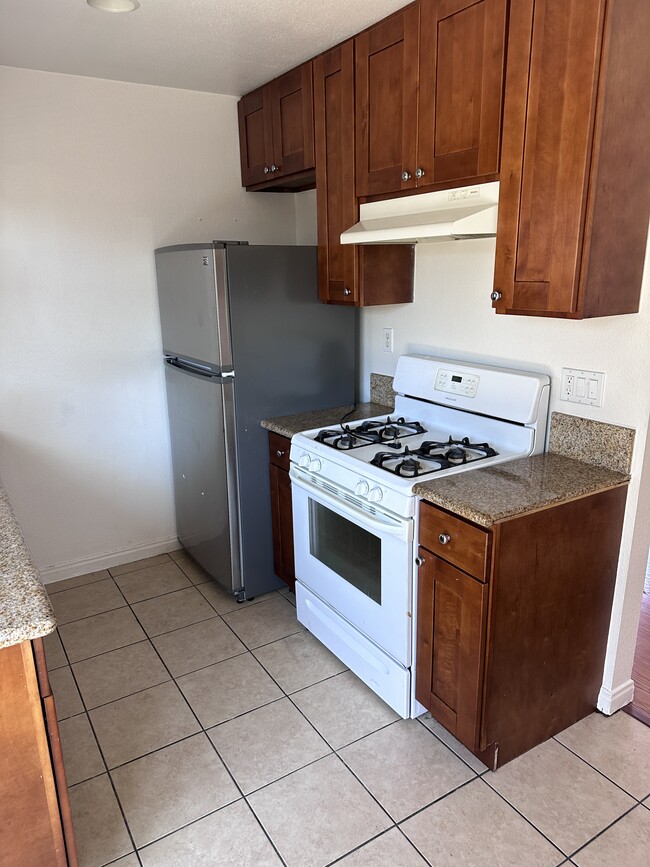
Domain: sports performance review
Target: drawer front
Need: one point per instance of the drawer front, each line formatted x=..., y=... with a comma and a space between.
x=464, y=545
x=279, y=450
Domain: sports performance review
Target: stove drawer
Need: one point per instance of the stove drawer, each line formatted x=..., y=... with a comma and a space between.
x=464, y=545
x=279, y=450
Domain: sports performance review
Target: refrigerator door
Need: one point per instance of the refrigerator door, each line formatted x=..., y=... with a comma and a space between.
x=291, y=354
x=194, y=325
x=199, y=405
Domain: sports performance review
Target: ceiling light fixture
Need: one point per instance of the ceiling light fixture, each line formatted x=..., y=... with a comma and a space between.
x=114, y=5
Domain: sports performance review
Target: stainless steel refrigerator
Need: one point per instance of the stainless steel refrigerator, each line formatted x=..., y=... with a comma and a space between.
x=244, y=338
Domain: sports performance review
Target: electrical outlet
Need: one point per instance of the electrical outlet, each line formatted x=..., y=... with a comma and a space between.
x=388, y=340
x=582, y=386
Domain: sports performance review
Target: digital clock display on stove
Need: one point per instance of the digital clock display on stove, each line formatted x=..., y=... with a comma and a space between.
x=455, y=383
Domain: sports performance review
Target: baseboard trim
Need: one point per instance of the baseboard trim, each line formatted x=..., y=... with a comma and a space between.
x=611, y=700
x=106, y=561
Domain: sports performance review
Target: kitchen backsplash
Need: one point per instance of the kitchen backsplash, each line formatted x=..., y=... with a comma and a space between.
x=595, y=442
x=381, y=389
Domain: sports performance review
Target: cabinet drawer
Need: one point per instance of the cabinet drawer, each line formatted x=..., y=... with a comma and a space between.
x=465, y=545
x=279, y=450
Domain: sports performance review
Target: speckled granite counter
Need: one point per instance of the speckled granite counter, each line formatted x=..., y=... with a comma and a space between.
x=493, y=494
x=25, y=610
x=288, y=425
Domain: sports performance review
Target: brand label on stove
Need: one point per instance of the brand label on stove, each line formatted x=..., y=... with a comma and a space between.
x=453, y=382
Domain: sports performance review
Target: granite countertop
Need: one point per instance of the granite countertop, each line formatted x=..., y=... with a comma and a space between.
x=288, y=425
x=493, y=494
x=25, y=609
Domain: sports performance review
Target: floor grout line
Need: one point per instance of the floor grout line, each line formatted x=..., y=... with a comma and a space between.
x=284, y=695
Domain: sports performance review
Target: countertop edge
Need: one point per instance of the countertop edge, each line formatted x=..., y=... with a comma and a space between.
x=26, y=612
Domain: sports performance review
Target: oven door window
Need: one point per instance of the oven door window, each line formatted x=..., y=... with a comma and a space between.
x=350, y=551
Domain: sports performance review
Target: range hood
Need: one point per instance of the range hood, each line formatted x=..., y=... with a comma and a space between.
x=466, y=212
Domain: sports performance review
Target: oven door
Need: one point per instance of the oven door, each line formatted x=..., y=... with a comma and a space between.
x=358, y=561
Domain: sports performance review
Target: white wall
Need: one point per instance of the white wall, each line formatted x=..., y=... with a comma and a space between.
x=452, y=317
x=93, y=176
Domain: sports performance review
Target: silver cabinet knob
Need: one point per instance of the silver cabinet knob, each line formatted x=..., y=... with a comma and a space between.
x=266, y=170
x=419, y=173
x=280, y=453
x=406, y=175
x=419, y=561
x=275, y=168
x=444, y=539
x=347, y=291
x=495, y=296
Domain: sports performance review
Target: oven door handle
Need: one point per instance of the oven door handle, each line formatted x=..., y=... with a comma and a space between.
x=381, y=523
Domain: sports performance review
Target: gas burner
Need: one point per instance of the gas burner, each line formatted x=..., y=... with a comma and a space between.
x=407, y=464
x=371, y=432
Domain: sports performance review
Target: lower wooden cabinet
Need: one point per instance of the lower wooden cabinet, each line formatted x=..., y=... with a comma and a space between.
x=281, y=509
x=34, y=807
x=511, y=647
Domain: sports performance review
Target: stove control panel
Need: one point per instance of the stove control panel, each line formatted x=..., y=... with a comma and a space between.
x=454, y=382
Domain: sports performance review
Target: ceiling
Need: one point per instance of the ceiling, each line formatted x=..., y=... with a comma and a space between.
x=219, y=46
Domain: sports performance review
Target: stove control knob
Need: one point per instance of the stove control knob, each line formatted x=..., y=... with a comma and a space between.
x=315, y=466
x=376, y=495
x=362, y=489
x=304, y=462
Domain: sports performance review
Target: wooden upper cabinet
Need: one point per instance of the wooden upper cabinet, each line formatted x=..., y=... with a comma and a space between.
x=348, y=274
x=276, y=132
x=429, y=95
x=336, y=199
x=574, y=195
x=462, y=68
x=386, y=103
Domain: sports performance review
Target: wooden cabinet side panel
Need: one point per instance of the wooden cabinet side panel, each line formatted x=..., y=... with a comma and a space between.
x=336, y=200
x=386, y=82
x=553, y=62
x=619, y=188
x=462, y=52
x=29, y=813
x=552, y=587
x=282, y=523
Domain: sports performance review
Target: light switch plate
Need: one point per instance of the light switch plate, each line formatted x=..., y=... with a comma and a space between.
x=582, y=386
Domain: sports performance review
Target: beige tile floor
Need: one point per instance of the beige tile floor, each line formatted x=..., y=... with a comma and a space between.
x=198, y=732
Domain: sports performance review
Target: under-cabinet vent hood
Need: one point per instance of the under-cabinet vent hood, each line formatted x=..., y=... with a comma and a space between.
x=467, y=212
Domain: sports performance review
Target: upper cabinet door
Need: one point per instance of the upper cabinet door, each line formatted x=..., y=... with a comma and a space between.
x=255, y=137
x=336, y=200
x=386, y=104
x=462, y=61
x=292, y=111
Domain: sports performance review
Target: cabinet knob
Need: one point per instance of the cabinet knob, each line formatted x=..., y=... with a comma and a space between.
x=406, y=175
x=275, y=168
x=419, y=173
x=419, y=561
x=280, y=453
x=347, y=291
x=444, y=538
x=495, y=296
x=266, y=170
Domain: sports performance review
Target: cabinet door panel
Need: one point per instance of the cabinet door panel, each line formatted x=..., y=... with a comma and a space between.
x=255, y=140
x=547, y=137
x=336, y=201
x=282, y=521
x=462, y=52
x=293, y=121
x=452, y=609
x=386, y=107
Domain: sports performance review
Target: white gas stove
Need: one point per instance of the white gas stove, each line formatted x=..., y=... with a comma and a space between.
x=354, y=508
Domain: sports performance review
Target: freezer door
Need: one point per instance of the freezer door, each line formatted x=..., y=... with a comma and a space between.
x=199, y=408
x=188, y=302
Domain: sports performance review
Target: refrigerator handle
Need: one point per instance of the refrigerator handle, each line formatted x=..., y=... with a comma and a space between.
x=200, y=372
